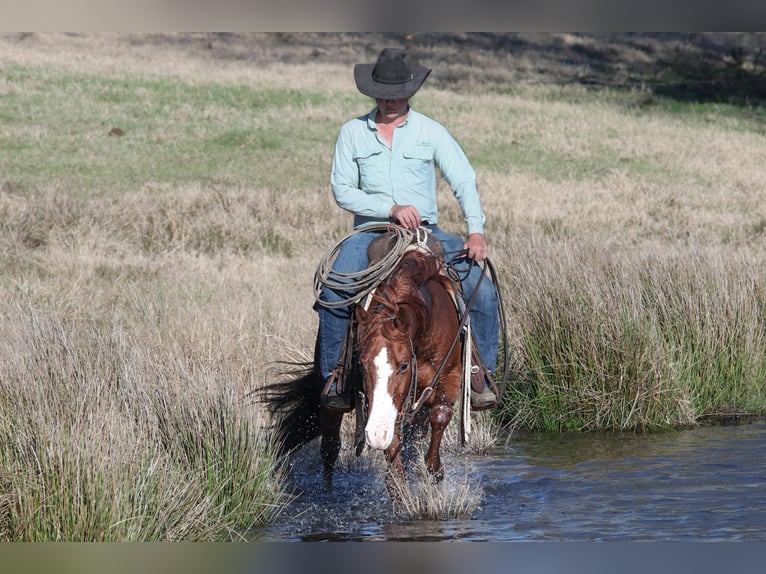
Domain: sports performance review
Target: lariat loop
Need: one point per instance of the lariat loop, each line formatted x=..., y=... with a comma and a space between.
x=361, y=283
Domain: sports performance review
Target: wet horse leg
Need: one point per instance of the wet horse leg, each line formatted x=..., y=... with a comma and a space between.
x=411, y=435
x=329, y=423
x=440, y=416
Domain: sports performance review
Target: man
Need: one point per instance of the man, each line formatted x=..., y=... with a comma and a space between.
x=383, y=171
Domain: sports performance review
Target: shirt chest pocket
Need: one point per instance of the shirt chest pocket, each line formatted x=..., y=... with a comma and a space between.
x=418, y=161
x=419, y=152
x=369, y=162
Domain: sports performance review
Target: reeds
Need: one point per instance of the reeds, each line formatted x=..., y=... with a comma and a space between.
x=635, y=340
x=420, y=498
x=459, y=494
x=104, y=439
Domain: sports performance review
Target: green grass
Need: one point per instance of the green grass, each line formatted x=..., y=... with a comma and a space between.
x=175, y=131
x=640, y=100
x=530, y=156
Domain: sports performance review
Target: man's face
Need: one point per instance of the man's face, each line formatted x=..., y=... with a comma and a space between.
x=392, y=109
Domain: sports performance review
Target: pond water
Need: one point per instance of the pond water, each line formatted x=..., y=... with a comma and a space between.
x=704, y=484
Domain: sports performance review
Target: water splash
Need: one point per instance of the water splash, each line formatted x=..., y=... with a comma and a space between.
x=359, y=507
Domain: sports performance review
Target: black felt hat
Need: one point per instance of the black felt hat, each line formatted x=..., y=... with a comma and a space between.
x=392, y=77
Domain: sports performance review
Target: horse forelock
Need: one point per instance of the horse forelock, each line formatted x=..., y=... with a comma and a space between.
x=397, y=294
x=398, y=309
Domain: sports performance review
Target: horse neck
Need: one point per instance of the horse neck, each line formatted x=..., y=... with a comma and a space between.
x=402, y=302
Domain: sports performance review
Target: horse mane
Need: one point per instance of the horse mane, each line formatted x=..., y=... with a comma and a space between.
x=401, y=292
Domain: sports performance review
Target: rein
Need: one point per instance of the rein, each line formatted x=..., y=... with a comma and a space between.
x=428, y=391
x=413, y=389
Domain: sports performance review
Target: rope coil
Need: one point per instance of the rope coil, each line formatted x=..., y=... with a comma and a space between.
x=362, y=283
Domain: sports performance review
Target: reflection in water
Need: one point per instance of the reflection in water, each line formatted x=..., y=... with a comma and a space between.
x=700, y=484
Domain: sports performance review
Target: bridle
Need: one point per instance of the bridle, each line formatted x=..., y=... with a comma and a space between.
x=429, y=389
x=412, y=391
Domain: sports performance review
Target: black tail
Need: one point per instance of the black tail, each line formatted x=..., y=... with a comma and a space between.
x=296, y=407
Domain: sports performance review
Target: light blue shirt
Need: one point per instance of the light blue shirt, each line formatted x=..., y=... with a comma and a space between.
x=368, y=177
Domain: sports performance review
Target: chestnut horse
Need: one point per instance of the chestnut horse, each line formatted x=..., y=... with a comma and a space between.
x=410, y=364
x=408, y=369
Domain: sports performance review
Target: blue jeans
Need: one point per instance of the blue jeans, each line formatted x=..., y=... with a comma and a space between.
x=352, y=257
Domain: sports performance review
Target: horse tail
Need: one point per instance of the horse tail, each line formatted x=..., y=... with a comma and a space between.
x=295, y=405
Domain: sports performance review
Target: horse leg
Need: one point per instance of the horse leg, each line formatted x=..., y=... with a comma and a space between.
x=419, y=426
x=329, y=423
x=412, y=433
x=440, y=416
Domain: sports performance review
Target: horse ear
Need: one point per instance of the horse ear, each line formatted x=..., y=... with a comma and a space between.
x=404, y=318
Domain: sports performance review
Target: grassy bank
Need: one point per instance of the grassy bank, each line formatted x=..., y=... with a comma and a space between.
x=104, y=437
x=618, y=340
x=164, y=201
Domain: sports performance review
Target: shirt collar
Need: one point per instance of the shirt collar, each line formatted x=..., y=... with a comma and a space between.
x=371, y=118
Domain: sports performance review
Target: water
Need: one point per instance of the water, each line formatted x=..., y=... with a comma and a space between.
x=706, y=484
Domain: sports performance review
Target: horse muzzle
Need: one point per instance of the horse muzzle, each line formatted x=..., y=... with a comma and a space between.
x=380, y=429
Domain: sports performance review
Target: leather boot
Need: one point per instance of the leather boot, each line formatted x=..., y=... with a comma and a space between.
x=483, y=395
x=331, y=399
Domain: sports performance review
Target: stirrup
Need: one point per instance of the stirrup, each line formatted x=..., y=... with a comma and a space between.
x=487, y=397
x=331, y=400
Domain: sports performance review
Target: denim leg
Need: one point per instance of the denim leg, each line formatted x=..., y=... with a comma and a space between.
x=351, y=258
x=484, y=312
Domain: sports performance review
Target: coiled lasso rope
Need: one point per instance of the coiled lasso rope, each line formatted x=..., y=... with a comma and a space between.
x=364, y=282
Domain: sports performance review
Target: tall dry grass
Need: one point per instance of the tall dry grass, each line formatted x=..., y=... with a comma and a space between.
x=107, y=436
x=644, y=340
x=147, y=280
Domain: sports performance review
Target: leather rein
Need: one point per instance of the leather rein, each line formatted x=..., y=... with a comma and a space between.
x=413, y=404
x=417, y=404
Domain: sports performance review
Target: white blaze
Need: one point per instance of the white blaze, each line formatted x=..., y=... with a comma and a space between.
x=382, y=419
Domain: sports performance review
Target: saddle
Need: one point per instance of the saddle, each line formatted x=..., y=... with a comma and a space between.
x=383, y=243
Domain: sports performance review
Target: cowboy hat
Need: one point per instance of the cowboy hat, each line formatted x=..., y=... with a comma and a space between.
x=392, y=77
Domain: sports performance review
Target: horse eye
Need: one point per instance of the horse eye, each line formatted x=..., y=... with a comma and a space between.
x=403, y=367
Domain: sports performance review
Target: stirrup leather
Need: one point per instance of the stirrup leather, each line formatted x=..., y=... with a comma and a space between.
x=342, y=376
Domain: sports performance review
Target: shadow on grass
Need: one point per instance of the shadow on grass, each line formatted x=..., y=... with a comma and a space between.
x=702, y=67
x=693, y=67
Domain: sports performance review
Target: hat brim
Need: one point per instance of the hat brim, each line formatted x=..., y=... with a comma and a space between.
x=369, y=87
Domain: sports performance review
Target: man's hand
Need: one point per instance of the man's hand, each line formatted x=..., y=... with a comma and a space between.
x=406, y=216
x=476, y=246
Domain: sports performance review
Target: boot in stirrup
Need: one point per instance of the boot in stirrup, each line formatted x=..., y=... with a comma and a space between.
x=332, y=399
x=483, y=389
